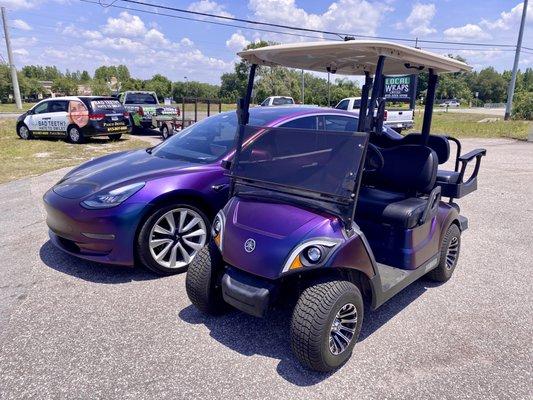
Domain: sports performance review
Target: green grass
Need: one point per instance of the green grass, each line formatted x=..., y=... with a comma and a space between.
x=22, y=158
x=467, y=125
x=11, y=107
x=189, y=107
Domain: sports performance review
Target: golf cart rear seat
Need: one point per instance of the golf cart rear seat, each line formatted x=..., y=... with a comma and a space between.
x=452, y=183
x=397, y=194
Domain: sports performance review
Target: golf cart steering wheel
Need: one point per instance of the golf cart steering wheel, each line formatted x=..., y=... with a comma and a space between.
x=374, y=160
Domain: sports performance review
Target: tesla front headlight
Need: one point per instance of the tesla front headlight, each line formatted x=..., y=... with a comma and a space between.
x=113, y=197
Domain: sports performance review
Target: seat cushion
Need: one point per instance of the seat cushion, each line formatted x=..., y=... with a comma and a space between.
x=390, y=207
x=447, y=176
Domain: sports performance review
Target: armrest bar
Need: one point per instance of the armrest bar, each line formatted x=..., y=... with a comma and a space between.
x=457, y=153
x=466, y=158
x=432, y=205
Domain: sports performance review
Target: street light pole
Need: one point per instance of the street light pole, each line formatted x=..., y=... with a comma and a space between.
x=510, y=90
x=14, y=78
x=329, y=97
x=303, y=87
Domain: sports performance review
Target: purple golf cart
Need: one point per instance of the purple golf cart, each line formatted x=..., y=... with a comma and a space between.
x=331, y=218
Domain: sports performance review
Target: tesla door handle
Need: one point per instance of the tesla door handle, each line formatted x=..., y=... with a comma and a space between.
x=218, y=188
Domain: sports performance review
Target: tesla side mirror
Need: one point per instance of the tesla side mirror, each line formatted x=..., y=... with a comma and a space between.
x=226, y=164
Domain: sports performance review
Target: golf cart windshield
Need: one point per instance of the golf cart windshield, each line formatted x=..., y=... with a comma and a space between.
x=308, y=166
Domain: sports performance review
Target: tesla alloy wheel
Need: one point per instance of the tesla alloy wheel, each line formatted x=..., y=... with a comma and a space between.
x=171, y=238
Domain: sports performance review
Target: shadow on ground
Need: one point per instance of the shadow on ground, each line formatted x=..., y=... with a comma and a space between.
x=269, y=336
x=91, y=271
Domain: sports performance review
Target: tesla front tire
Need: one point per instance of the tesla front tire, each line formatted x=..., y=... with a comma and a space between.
x=203, y=281
x=326, y=323
x=24, y=132
x=171, y=238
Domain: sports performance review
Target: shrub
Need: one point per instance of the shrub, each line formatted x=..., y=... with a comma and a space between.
x=523, y=106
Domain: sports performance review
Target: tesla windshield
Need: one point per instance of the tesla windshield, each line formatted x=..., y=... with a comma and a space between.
x=204, y=142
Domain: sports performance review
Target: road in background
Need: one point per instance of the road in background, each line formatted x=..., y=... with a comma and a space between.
x=77, y=329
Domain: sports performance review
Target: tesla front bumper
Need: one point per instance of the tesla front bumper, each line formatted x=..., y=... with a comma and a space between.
x=105, y=236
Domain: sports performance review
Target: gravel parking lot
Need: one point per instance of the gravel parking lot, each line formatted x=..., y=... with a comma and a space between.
x=75, y=329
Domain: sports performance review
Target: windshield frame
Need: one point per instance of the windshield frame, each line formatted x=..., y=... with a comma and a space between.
x=341, y=206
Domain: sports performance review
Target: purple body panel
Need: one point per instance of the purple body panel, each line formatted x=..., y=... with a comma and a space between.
x=276, y=228
x=67, y=219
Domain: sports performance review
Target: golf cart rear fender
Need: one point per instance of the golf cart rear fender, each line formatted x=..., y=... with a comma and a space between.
x=448, y=215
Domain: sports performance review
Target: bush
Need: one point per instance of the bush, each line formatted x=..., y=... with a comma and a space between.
x=523, y=106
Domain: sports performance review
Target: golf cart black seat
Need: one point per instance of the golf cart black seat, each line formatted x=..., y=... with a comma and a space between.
x=397, y=194
x=452, y=182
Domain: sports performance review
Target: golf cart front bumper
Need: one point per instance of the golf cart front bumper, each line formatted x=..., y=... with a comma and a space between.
x=246, y=292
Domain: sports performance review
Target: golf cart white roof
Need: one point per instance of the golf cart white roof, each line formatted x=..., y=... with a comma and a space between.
x=353, y=57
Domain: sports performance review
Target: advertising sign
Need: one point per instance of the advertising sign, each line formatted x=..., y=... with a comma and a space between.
x=400, y=88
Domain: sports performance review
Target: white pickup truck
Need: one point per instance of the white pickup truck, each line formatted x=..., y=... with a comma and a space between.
x=395, y=119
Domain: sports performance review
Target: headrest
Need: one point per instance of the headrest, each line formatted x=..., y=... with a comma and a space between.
x=407, y=168
x=439, y=144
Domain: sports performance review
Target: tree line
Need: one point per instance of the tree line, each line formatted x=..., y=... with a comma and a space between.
x=476, y=88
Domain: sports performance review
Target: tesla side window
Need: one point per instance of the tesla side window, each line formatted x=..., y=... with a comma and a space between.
x=301, y=123
x=340, y=123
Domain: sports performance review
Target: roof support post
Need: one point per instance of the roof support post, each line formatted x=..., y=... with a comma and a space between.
x=430, y=101
x=376, y=90
x=243, y=117
x=364, y=102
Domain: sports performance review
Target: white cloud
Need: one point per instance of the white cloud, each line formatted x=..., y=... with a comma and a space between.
x=125, y=25
x=156, y=37
x=350, y=16
x=22, y=25
x=19, y=4
x=466, y=32
x=509, y=19
x=24, y=41
x=237, y=42
x=21, y=52
x=186, y=42
x=419, y=20
x=210, y=7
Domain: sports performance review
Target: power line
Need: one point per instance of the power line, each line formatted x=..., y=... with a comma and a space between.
x=301, y=29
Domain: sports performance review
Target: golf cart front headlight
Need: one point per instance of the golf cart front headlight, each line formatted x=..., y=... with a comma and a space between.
x=310, y=254
x=113, y=197
x=217, y=229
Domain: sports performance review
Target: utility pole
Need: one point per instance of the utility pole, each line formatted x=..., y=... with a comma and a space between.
x=14, y=78
x=510, y=90
x=303, y=87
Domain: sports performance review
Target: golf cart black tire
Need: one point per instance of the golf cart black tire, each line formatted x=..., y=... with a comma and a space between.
x=202, y=282
x=441, y=273
x=30, y=134
x=311, y=323
x=115, y=137
x=143, y=239
x=81, y=137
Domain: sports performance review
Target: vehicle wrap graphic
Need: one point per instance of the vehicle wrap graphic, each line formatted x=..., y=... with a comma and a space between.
x=77, y=113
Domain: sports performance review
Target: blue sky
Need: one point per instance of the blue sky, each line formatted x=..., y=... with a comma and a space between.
x=76, y=35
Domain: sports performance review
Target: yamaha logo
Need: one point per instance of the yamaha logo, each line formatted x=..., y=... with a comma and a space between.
x=249, y=245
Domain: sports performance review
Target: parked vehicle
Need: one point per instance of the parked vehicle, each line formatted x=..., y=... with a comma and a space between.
x=450, y=103
x=147, y=113
x=277, y=101
x=121, y=207
x=74, y=118
x=395, y=119
x=328, y=218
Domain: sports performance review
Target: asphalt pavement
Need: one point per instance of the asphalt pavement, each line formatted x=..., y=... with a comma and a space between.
x=72, y=329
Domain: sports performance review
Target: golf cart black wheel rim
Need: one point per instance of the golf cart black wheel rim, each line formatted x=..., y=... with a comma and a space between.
x=452, y=252
x=342, y=329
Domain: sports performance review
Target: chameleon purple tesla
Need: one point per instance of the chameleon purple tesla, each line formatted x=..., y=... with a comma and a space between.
x=155, y=206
